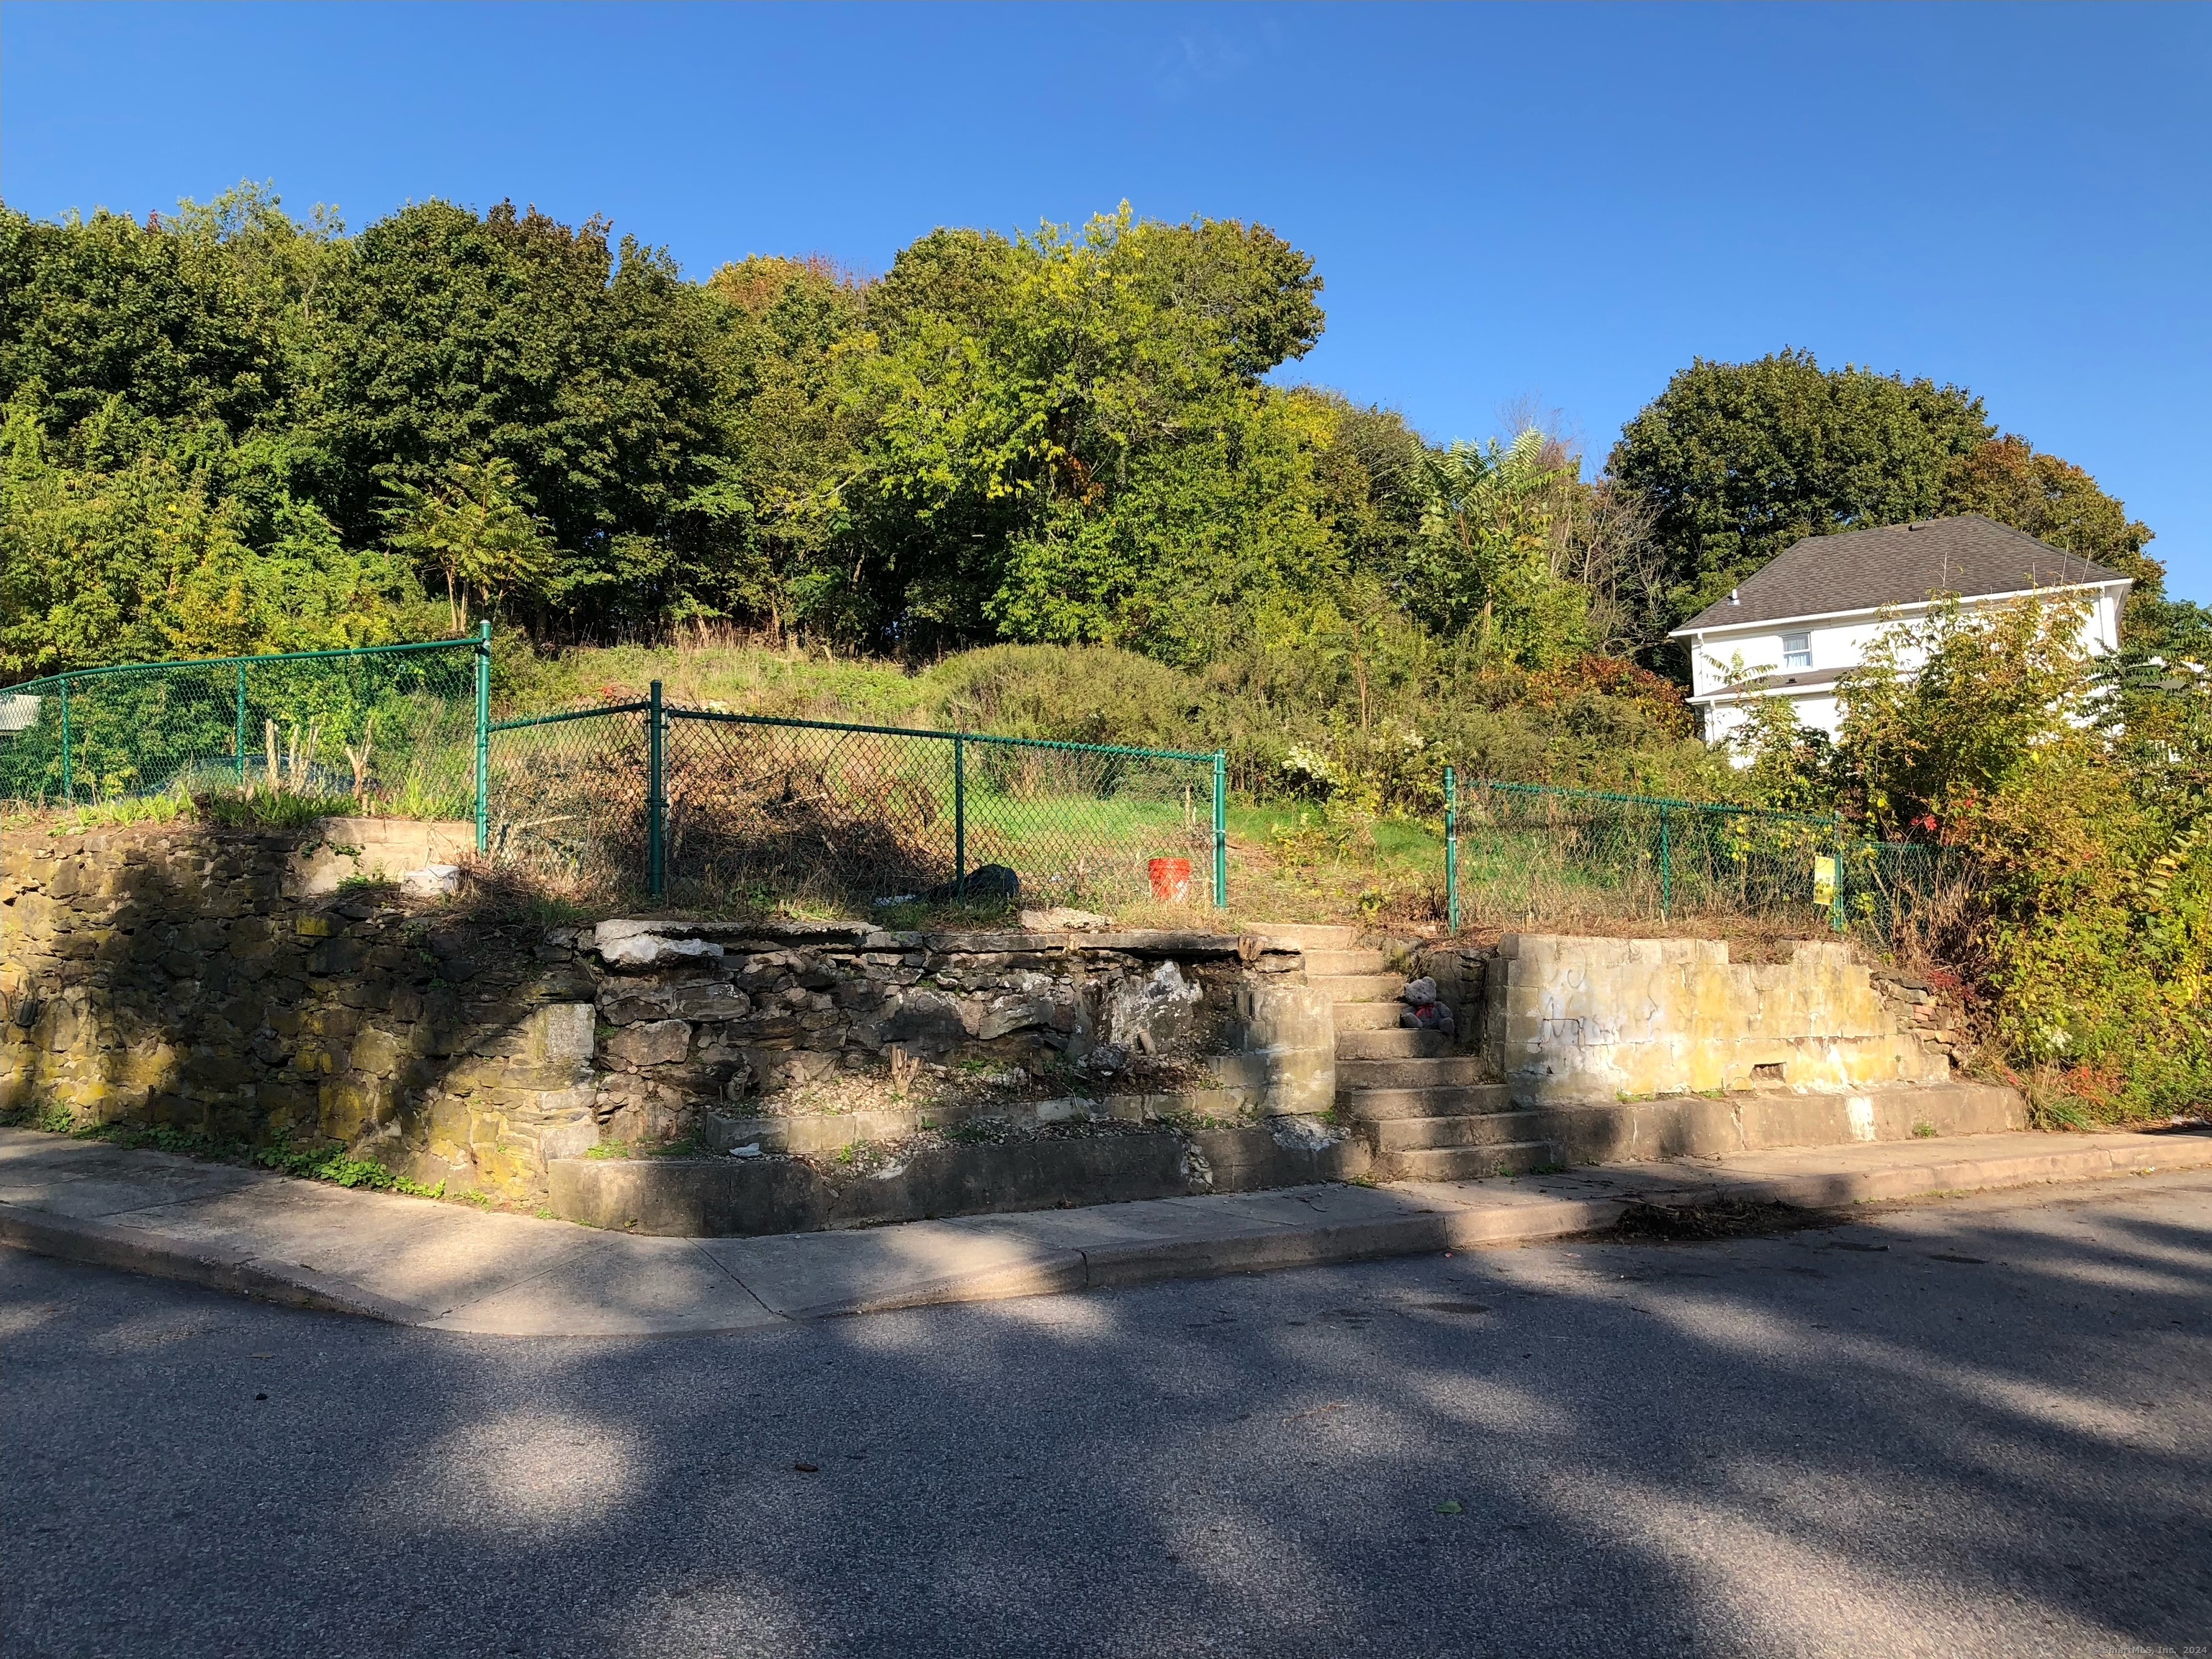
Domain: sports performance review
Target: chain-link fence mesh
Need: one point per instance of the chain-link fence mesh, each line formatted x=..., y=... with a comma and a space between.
x=1885, y=882
x=568, y=793
x=755, y=809
x=394, y=726
x=763, y=805
x=1083, y=824
x=721, y=807
x=1532, y=851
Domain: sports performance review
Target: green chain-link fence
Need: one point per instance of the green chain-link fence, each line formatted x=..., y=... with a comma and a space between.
x=569, y=793
x=686, y=803
x=707, y=805
x=1514, y=851
x=395, y=725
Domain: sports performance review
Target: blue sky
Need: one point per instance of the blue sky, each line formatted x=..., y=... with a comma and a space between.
x=1557, y=203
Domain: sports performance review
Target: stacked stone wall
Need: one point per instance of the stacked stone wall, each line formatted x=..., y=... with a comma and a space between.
x=193, y=977
x=161, y=976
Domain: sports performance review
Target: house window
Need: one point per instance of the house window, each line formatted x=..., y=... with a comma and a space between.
x=1796, y=650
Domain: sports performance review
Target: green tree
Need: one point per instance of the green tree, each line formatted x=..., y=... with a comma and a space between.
x=1065, y=440
x=2008, y=479
x=1484, y=562
x=104, y=307
x=764, y=538
x=113, y=552
x=595, y=374
x=476, y=530
x=1246, y=288
x=1738, y=460
x=1371, y=475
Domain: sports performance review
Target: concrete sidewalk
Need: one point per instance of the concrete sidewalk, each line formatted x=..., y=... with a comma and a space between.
x=443, y=1267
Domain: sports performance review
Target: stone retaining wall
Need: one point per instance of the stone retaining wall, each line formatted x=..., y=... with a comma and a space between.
x=729, y=1031
x=167, y=975
x=195, y=978
x=343, y=852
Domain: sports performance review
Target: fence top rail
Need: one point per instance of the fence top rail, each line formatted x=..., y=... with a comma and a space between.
x=937, y=736
x=56, y=681
x=1667, y=803
x=570, y=714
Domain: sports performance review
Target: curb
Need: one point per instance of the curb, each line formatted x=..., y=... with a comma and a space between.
x=100, y=1245
x=1426, y=1230
x=1423, y=1232
x=1965, y=1174
x=1265, y=1251
x=1049, y=1274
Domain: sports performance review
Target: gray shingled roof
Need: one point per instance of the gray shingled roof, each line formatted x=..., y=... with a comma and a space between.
x=1899, y=564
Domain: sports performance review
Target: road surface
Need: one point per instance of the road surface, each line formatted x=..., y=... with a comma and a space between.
x=1979, y=1427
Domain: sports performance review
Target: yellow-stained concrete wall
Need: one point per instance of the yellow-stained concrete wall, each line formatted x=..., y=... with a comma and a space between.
x=1576, y=1019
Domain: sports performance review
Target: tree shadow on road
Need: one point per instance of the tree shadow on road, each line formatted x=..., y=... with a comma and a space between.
x=1944, y=1431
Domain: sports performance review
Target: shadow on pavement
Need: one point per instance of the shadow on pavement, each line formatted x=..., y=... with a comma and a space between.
x=1976, y=1430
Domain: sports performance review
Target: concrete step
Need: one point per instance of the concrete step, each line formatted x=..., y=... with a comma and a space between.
x=1471, y=1163
x=1410, y=1134
x=1448, y=1100
x=1359, y=987
x=1309, y=935
x=1417, y=1071
x=1367, y=1016
x=1396, y=1043
x=1332, y=963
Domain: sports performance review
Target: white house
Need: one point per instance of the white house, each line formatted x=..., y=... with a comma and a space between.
x=1806, y=620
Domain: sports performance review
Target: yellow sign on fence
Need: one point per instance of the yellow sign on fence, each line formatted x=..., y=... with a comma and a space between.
x=1824, y=881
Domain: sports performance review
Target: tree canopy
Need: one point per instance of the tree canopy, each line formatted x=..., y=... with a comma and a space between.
x=1738, y=460
x=1070, y=436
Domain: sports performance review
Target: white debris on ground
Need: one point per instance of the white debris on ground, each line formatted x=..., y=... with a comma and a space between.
x=432, y=881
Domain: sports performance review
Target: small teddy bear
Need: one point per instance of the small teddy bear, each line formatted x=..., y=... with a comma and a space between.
x=1422, y=1012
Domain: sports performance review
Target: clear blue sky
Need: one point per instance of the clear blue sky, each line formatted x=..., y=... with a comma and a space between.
x=1559, y=202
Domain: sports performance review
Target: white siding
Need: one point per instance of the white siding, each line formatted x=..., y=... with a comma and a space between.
x=1719, y=656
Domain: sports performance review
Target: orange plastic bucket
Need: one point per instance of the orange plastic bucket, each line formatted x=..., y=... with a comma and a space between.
x=1170, y=880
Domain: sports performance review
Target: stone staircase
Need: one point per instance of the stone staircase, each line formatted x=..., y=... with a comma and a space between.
x=1430, y=1112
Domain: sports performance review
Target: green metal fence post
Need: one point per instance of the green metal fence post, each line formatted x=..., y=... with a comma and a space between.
x=1666, y=867
x=69, y=779
x=959, y=818
x=484, y=735
x=1451, y=849
x=1836, y=889
x=241, y=726
x=656, y=804
x=1221, y=829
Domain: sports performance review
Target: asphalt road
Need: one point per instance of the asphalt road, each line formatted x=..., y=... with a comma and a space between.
x=1981, y=1427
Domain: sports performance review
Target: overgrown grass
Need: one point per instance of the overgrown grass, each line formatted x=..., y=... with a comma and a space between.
x=808, y=685
x=309, y=1162
x=151, y=809
x=172, y=808
x=263, y=808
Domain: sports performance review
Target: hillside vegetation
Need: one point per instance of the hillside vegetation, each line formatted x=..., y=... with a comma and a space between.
x=1066, y=484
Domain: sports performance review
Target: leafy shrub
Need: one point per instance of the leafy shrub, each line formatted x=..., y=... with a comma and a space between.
x=1072, y=694
x=2081, y=926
